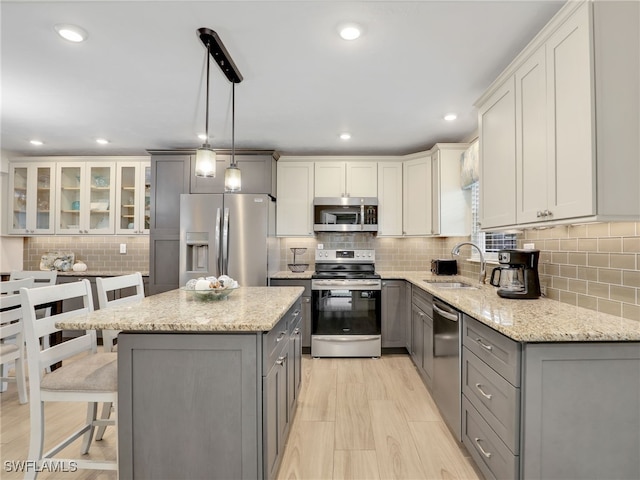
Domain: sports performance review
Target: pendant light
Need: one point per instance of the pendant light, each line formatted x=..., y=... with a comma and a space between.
x=232, y=175
x=205, y=156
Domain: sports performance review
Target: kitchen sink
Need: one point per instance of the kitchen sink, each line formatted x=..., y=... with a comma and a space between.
x=444, y=284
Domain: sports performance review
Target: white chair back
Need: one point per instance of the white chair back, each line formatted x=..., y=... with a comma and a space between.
x=12, y=335
x=40, y=277
x=106, y=288
x=35, y=329
x=108, y=285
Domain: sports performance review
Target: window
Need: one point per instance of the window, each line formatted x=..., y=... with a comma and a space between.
x=489, y=242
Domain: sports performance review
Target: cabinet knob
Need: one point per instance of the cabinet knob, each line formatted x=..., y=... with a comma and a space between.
x=547, y=213
x=538, y=214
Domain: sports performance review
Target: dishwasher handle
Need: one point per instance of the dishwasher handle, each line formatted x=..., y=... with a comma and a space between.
x=438, y=308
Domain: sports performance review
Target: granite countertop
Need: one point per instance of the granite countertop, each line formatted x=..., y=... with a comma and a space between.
x=285, y=274
x=98, y=273
x=531, y=321
x=247, y=309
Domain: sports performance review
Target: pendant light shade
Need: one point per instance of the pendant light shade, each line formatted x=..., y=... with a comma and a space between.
x=232, y=179
x=232, y=175
x=205, y=156
x=205, y=161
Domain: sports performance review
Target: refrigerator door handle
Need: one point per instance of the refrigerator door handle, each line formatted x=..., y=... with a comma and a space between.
x=225, y=243
x=218, y=252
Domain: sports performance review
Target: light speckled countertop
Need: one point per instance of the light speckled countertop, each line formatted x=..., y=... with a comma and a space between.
x=539, y=320
x=293, y=276
x=247, y=309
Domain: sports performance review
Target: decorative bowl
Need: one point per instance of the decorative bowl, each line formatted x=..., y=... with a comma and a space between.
x=298, y=267
x=210, y=294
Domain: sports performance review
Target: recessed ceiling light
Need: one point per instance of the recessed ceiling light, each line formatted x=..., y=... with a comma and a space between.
x=36, y=142
x=350, y=32
x=450, y=117
x=71, y=33
x=345, y=136
x=102, y=141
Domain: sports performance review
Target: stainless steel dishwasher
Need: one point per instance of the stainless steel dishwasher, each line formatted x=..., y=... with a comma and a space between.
x=446, y=363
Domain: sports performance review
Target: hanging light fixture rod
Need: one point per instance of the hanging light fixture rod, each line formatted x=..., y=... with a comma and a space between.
x=219, y=54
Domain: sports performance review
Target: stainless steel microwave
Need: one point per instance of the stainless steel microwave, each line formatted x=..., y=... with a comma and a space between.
x=345, y=214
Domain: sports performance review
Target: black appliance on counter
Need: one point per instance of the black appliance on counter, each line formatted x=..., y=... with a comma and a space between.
x=521, y=278
x=346, y=310
x=444, y=266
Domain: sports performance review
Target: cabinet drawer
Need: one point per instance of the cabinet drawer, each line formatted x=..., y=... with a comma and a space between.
x=492, y=456
x=499, y=352
x=273, y=343
x=422, y=300
x=496, y=399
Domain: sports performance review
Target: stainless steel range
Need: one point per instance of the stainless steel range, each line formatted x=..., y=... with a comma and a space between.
x=345, y=296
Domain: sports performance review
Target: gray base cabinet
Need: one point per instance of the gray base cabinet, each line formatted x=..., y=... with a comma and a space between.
x=305, y=331
x=550, y=410
x=394, y=313
x=214, y=406
x=422, y=334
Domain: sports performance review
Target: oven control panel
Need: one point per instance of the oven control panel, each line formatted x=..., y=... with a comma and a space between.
x=345, y=256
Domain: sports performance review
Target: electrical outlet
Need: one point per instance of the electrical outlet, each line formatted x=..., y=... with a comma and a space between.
x=529, y=246
x=123, y=248
x=321, y=246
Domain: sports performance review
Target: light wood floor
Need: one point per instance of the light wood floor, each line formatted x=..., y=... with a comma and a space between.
x=367, y=418
x=356, y=419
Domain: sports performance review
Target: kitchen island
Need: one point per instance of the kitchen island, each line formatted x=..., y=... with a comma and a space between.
x=206, y=389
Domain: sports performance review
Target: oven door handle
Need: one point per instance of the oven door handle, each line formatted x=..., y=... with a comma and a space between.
x=340, y=338
x=345, y=283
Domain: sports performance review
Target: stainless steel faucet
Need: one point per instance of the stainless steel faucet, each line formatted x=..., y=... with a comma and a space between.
x=483, y=272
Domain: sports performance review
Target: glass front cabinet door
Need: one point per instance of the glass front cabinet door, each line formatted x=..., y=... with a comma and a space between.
x=32, y=201
x=85, y=198
x=133, y=198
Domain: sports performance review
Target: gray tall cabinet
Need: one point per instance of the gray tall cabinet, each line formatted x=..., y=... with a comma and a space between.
x=172, y=174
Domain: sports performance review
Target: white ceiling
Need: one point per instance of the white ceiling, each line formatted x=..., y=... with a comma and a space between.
x=138, y=79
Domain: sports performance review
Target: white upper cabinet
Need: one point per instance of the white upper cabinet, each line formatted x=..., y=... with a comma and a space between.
x=576, y=122
x=294, y=198
x=31, y=206
x=531, y=139
x=133, y=197
x=496, y=119
x=389, y=199
x=417, y=201
x=85, y=198
x=346, y=179
x=451, y=205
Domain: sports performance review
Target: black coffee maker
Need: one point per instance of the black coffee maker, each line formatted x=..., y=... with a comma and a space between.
x=519, y=279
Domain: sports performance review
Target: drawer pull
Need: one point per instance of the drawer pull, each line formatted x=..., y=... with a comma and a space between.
x=486, y=454
x=281, y=360
x=296, y=331
x=296, y=313
x=281, y=336
x=484, y=345
x=485, y=395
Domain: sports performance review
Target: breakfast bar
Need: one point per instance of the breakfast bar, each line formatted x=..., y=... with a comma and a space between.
x=206, y=389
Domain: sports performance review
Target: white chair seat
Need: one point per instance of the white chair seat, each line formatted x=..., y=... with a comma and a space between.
x=93, y=373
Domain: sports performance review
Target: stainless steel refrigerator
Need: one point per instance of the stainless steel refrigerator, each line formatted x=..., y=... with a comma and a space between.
x=231, y=234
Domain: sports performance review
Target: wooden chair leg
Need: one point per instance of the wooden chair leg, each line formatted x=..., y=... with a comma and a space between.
x=92, y=410
x=106, y=413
